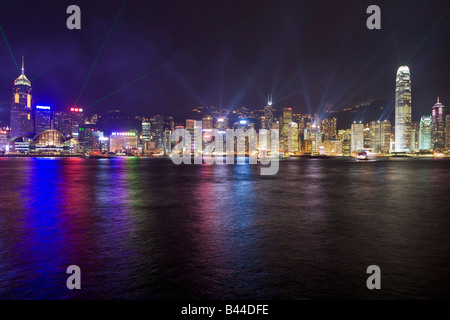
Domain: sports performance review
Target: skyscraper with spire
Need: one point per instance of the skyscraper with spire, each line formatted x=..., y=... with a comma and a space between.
x=403, y=110
x=268, y=114
x=21, y=110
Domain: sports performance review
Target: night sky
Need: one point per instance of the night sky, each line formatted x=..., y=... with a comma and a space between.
x=312, y=55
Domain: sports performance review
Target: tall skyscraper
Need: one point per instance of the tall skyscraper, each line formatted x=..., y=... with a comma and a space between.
x=425, y=132
x=403, y=110
x=293, y=146
x=329, y=128
x=62, y=121
x=447, y=131
x=268, y=115
x=77, y=121
x=438, y=136
x=157, y=131
x=43, y=118
x=385, y=142
x=357, y=142
x=375, y=136
x=287, y=119
x=146, y=132
x=21, y=110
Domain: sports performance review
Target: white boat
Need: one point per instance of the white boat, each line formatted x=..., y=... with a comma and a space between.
x=366, y=155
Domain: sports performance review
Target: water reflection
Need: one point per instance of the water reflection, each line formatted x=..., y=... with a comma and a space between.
x=145, y=228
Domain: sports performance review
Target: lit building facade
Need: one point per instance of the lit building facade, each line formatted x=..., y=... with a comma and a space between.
x=123, y=142
x=293, y=145
x=403, y=110
x=43, y=118
x=447, y=131
x=287, y=119
x=357, y=142
x=21, y=114
x=157, y=131
x=425, y=133
x=438, y=135
x=62, y=121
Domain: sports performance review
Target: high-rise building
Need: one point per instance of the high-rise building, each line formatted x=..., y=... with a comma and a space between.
x=375, y=136
x=403, y=110
x=366, y=135
x=146, y=131
x=287, y=119
x=123, y=142
x=447, y=131
x=77, y=118
x=293, y=146
x=357, y=143
x=268, y=115
x=167, y=141
x=333, y=147
x=385, y=139
x=415, y=136
x=438, y=136
x=425, y=132
x=157, y=131
x=207, y=122
x=21, y=110
x=62, y=121
x=329, y=128
x=43, y=118
x=85, y=137
x=222, y=123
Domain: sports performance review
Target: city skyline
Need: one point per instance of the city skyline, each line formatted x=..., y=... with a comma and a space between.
x=291, y=81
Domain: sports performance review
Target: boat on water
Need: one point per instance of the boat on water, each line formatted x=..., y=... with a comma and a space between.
x=366, y=155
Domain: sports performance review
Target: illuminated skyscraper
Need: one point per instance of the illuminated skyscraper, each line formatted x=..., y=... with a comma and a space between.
x=62, y=121
x=207, y=122
x=21, y=110
x=385, y=142
x=146, y=131
x=287, y=119
x=426, y=124
x=268, y=115
x=167, y=142
x=375, y=136
x=157, y=131
x=43, y=118
x=403, y=110
x=438, y=136
x=293, y=146
x=447, y=131
x=329, y=128
x=357, y=143
x=77, y=121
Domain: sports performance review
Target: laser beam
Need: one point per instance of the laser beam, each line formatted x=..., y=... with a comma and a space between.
x=96, y=40
x=101, y=50
x=428, y=34
x=10, y=51
x=199, y=46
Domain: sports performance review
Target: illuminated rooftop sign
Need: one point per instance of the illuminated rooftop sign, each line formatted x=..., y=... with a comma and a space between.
x=243, y=121
x=128, y=134
x=43, y=107
x=76, y=109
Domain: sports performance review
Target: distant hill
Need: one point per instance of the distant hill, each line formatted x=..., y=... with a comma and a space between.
x=375, y=110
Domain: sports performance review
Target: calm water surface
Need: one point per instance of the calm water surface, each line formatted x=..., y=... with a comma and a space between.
x=147, y=229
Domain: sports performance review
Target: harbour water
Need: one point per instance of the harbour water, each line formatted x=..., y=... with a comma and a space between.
x=147, y=229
